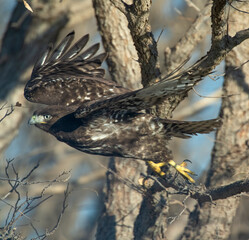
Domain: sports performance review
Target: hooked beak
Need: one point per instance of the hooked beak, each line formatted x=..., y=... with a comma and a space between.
x=36, y=120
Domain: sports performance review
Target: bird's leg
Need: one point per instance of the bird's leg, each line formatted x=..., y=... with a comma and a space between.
x=156, y=167
x=183, y=170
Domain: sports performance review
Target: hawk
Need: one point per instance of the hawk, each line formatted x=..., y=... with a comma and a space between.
x=97, y=116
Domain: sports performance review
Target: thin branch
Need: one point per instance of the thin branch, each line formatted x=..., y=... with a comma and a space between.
x=222, y=43
x=173, y=219
x=237, y=8
x=185, y=46
x=21, y=208
x=197, y=107
x=64, y=206
x=7, y=113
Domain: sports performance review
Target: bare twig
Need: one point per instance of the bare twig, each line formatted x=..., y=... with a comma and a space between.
x=8, y=112
x=21, y=208
x=64, y=206
x=222, y=43
x=185, y=46
x=197, y=107
x=237, y=8
x=183, y=204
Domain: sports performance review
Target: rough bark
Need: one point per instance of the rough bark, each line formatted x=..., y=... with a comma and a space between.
x=118, y=25
x=122, y=56
x=230, y=154
x=130, y=210
x=148, y=224
x=122, y=202
x=26, y=34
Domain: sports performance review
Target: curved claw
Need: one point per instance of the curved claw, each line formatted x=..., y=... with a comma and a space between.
x=156, y=167
x=183, y=170
x=187, y=160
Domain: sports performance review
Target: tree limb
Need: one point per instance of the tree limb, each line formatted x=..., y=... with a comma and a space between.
x=184, y=47
x=222, y=192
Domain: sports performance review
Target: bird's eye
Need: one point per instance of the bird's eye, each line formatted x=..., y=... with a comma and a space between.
x=47, y=117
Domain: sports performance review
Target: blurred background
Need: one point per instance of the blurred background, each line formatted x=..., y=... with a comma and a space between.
x=58, y=164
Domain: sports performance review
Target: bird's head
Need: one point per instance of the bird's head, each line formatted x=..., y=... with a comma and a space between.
x=49, y=116
x=40, y=118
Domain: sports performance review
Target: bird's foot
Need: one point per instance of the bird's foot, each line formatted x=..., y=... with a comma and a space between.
x=183, y=170
x=156, y=167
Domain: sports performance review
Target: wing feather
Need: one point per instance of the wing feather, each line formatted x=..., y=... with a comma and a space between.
x=61, y=48
x=76, y=48
x=144, y=98
x=42, y=59
x=67, y=76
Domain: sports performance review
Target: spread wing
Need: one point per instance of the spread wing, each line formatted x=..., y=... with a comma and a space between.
x=67, y=76
x=144, y=98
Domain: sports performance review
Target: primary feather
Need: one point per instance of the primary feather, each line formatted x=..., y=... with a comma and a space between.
x=67, y=76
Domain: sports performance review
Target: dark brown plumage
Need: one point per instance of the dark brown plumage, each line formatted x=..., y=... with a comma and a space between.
x=97, y=116
x=65, y=78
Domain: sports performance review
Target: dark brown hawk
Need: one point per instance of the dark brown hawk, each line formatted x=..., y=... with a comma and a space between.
x=97, y=116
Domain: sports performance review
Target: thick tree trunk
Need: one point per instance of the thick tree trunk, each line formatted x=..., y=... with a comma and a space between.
x=148, y=223
x=230, y=156
x=130, y=210
x=122, y=201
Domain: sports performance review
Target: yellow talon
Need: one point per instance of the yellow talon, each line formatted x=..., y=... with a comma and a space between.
x=183, y=170
x=157, y=167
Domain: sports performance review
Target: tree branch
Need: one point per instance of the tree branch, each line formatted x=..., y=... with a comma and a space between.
x=222, y=192
x=138, y=18
x=222, y=43
x=117, y=40
x=197, y=192
x=230, y=153
x=184, y=47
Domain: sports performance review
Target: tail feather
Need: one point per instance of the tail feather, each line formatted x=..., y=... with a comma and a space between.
x=184, y=129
